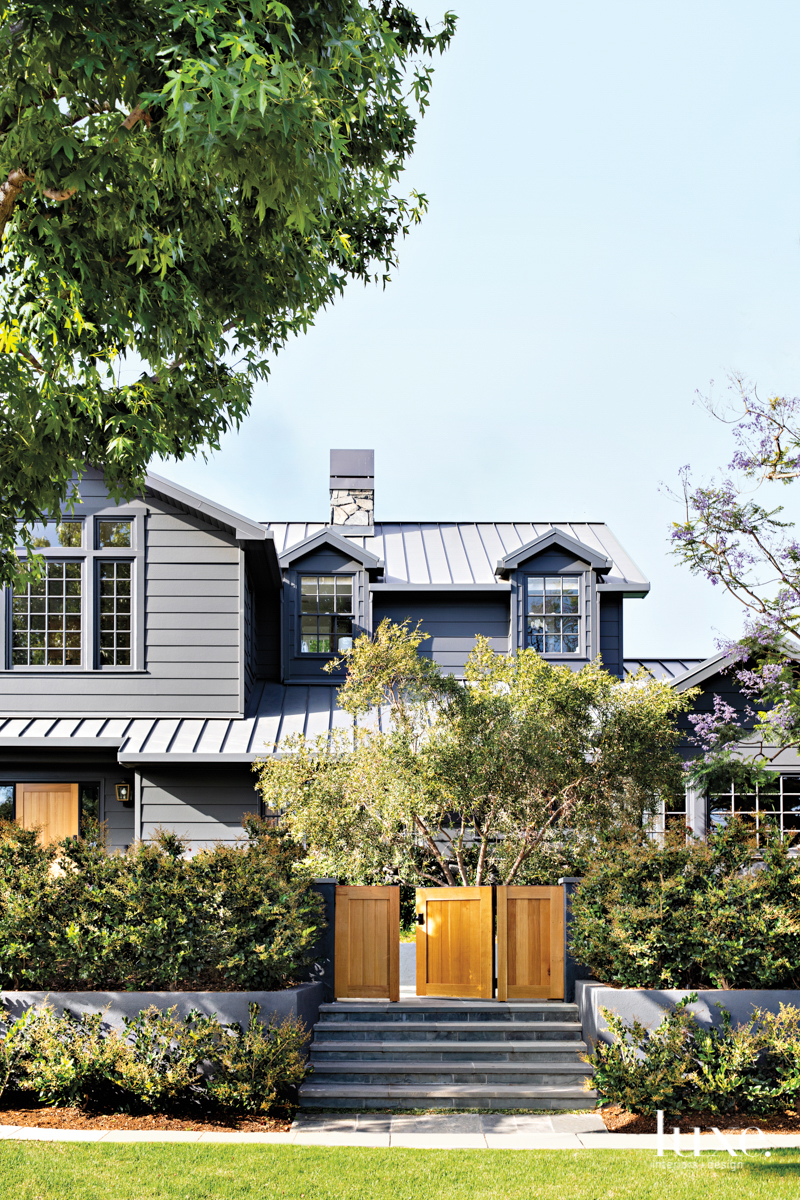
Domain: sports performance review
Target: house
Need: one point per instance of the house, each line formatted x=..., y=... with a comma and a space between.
x=172, y=640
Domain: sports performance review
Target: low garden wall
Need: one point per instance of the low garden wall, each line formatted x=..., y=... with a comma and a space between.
x=300, y=1002
x=648, y=1005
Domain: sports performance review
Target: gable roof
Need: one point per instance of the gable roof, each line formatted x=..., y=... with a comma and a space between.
x=241, y=527
x=666, y=669
x=431, y=554
x=554, y=537
x=327, y=537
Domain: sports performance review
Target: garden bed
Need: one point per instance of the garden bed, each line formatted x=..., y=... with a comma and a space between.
x=54, y=1117
x=619, y=1120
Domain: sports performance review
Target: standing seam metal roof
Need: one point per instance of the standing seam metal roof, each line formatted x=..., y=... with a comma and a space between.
x=462, y=552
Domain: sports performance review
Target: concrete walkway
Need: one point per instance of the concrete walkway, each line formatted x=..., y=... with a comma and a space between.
x=457, y=1131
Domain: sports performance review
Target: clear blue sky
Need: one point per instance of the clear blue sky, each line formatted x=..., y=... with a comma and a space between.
x=614, y=221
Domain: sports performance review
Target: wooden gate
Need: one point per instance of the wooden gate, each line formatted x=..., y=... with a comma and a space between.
x=367, y=950
x=530, y=943
x=53, y=807
x=454, y=942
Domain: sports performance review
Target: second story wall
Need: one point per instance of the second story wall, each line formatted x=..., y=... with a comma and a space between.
x=185, y=578
x=452, y=619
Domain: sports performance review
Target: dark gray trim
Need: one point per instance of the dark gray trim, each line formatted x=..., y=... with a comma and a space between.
x=241, y=527
x=370, y=562
x=553, y=538
x=624, y=588
x=440, y=587
x=58, y=743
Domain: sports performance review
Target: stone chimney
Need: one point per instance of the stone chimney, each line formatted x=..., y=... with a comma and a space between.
x=353, y=488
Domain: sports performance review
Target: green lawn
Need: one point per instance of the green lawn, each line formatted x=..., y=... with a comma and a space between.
x=49, y=1171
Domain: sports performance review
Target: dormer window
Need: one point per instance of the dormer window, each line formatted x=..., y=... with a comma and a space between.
x=326, y=614
x=553, y=613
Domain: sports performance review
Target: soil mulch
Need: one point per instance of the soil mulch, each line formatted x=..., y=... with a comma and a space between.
x=619, y=1120
x=52, y=1117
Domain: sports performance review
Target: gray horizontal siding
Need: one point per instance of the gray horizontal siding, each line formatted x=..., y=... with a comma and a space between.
x=204, y=806
x=169, y=652
x=452, y=623
x=191, y=630
x=611, y=633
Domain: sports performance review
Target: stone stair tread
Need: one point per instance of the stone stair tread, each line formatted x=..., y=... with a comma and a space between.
x=412, y=1066
x=514, y=1090
x=536, y=1026
x=541, y=1047
x=444, y=1002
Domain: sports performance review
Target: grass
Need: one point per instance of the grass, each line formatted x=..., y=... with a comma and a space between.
x=30, y=1171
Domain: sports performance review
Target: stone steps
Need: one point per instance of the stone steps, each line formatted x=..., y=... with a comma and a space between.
x=470, y=1031
x=424, y=1053
x=454, y=1096
x=438, y=1051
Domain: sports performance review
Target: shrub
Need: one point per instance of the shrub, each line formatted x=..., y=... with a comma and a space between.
x=690, y=914
x=257, y=1065
x=681, y=1067
x=230, y=917
x=156, y=1063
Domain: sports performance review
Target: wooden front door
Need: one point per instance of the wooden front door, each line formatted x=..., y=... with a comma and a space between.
x=367, y=958
x=530, y=943
x=52, y=807
x=455, y=942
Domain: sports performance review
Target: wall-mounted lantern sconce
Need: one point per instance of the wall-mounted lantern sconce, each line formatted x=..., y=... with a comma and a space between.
x=123, y=792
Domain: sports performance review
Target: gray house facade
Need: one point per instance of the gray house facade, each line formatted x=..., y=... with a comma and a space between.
x=172, y=641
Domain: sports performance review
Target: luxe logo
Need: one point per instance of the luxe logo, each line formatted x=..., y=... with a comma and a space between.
x=722, y=1142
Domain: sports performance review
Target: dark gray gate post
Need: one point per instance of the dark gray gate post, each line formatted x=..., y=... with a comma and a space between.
x=572, y=969
x=322, y=970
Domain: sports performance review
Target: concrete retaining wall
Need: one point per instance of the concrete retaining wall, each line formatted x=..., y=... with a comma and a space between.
x=649, y=1005
x=301, y=1002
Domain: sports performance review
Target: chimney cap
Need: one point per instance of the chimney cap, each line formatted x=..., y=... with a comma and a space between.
x=352, y=468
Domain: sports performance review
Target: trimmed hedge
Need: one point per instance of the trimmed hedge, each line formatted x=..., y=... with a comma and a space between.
x=696, y=914
x=73, y=918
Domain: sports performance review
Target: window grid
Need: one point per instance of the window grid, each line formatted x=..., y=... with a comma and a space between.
x=115, y=614
x=553, y=614
x=778, y=802
x=326, y=614
x=46, y=619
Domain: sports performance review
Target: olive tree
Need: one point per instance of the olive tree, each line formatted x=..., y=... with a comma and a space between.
x=467, y=783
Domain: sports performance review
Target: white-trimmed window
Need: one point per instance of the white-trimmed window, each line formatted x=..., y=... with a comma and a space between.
x=326, y=614
x=777, y=803
x=552, y=613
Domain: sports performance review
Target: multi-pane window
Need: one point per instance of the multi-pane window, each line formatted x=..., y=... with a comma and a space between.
x=776, y=803
x=115, y=614
x=113, y=534
x=46, y=619
x=553, y=613
x=326, y=614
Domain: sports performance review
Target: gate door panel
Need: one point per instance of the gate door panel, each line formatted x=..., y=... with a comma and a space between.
x=367, y=957
x=53, y=807
x=455, y=942
x=530, y=943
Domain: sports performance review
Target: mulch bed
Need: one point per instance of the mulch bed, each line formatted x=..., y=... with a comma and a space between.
x=619, y=1120
x=53, y=1117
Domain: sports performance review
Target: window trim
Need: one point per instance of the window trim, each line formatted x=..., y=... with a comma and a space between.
x=320, y=655
x=757, y=811
x=559, y=655
x=90, y=593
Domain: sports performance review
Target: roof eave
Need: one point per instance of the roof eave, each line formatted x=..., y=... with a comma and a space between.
x=241, y=527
